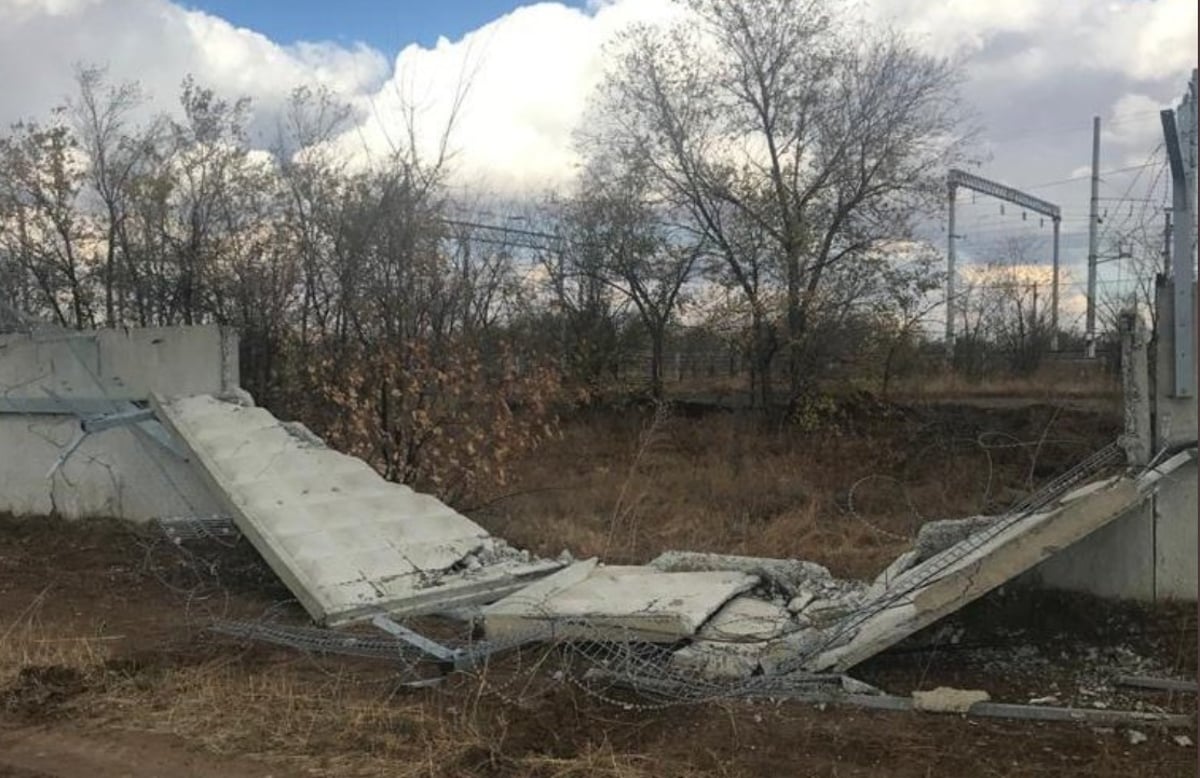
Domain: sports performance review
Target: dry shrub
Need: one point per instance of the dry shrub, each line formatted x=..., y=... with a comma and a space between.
x=445, y=419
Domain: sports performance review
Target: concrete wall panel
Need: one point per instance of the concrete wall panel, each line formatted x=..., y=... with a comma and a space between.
x=114, y=473
x=119, y=364
x=1115, y=561
x=1175, y=519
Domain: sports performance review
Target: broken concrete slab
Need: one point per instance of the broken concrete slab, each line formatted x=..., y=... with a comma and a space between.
x=592, y=602
x=960, y=574
x=788, y=575
x=746, y=619
x=348, y=543
x=838, y=630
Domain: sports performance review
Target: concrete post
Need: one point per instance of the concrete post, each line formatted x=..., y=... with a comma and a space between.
x=1135, y=385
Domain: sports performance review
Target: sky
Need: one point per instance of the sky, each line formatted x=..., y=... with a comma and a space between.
x=385, y=26
x=1036, y=71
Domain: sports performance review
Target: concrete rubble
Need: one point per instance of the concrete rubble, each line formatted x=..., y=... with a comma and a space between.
x=353, y=546
x=947, y=700
x=590, y=601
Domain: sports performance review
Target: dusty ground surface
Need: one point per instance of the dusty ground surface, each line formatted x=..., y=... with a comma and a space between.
x=105, y=670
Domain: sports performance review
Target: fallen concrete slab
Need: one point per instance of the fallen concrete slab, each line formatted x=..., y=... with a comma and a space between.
x=969, y=569
x=588, y=601
x=849, y=622
x=348, y=543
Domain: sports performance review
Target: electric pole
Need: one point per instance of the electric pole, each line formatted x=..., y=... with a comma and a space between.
x=950, y=278
x=1093, y=241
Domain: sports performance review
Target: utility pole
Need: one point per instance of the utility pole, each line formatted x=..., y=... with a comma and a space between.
x=1093, y=241
x=1054, y=292
x=950, y=278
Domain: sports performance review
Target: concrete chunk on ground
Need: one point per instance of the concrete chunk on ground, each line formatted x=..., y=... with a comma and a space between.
x=747, y=619
x=718, y=661
x=937, y=536
x=788, y=575
x=347, y=542
x=945, y=699
x=615, y=604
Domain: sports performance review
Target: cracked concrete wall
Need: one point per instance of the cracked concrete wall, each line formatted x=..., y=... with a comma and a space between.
x=114, y=473
x=119, y=364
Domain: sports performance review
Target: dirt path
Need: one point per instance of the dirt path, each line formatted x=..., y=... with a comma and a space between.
x=65, y=751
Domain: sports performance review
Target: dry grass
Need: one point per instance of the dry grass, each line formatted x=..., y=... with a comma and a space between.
x=627, y=486
x=27, y=641
x=1054, y=381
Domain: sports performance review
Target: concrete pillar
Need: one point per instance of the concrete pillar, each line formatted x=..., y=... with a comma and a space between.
x=1135, y=384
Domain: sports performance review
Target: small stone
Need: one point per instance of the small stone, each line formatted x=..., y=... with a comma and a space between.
x=800, y=601
x=1183, y=740
x=1135, y=737
x=1049, y=699
x=945, y=699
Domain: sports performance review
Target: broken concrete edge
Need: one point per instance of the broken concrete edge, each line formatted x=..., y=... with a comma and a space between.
x=789, y=575
x=450, y=594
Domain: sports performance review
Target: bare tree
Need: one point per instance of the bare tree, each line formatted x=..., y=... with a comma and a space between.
x=793, y=147
x=627, y=243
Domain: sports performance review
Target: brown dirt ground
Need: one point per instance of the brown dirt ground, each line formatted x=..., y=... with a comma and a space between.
x=105, y=671
x=106, y=668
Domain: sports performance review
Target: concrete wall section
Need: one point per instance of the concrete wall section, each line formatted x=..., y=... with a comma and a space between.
x=1175, y=417
x=114, y=473
x=1115, y=561
x=1175, y=511
x=119, y=364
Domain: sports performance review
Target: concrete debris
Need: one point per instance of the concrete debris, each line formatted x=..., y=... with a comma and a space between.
x=945, y=699
x=1183, y=740
x=789, y=576
x=1049, y=699
x=347, y=542
x=718, y=661
x=798, y=603
x=895, y=569
x=588, y=601
x=1135, y=737
x=961, y=573
x=937, y=536
x=747, y=619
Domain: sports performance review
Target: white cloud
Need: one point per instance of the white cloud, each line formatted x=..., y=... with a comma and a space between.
x=157, y=43
x=528, y=74
x=1037, y=71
